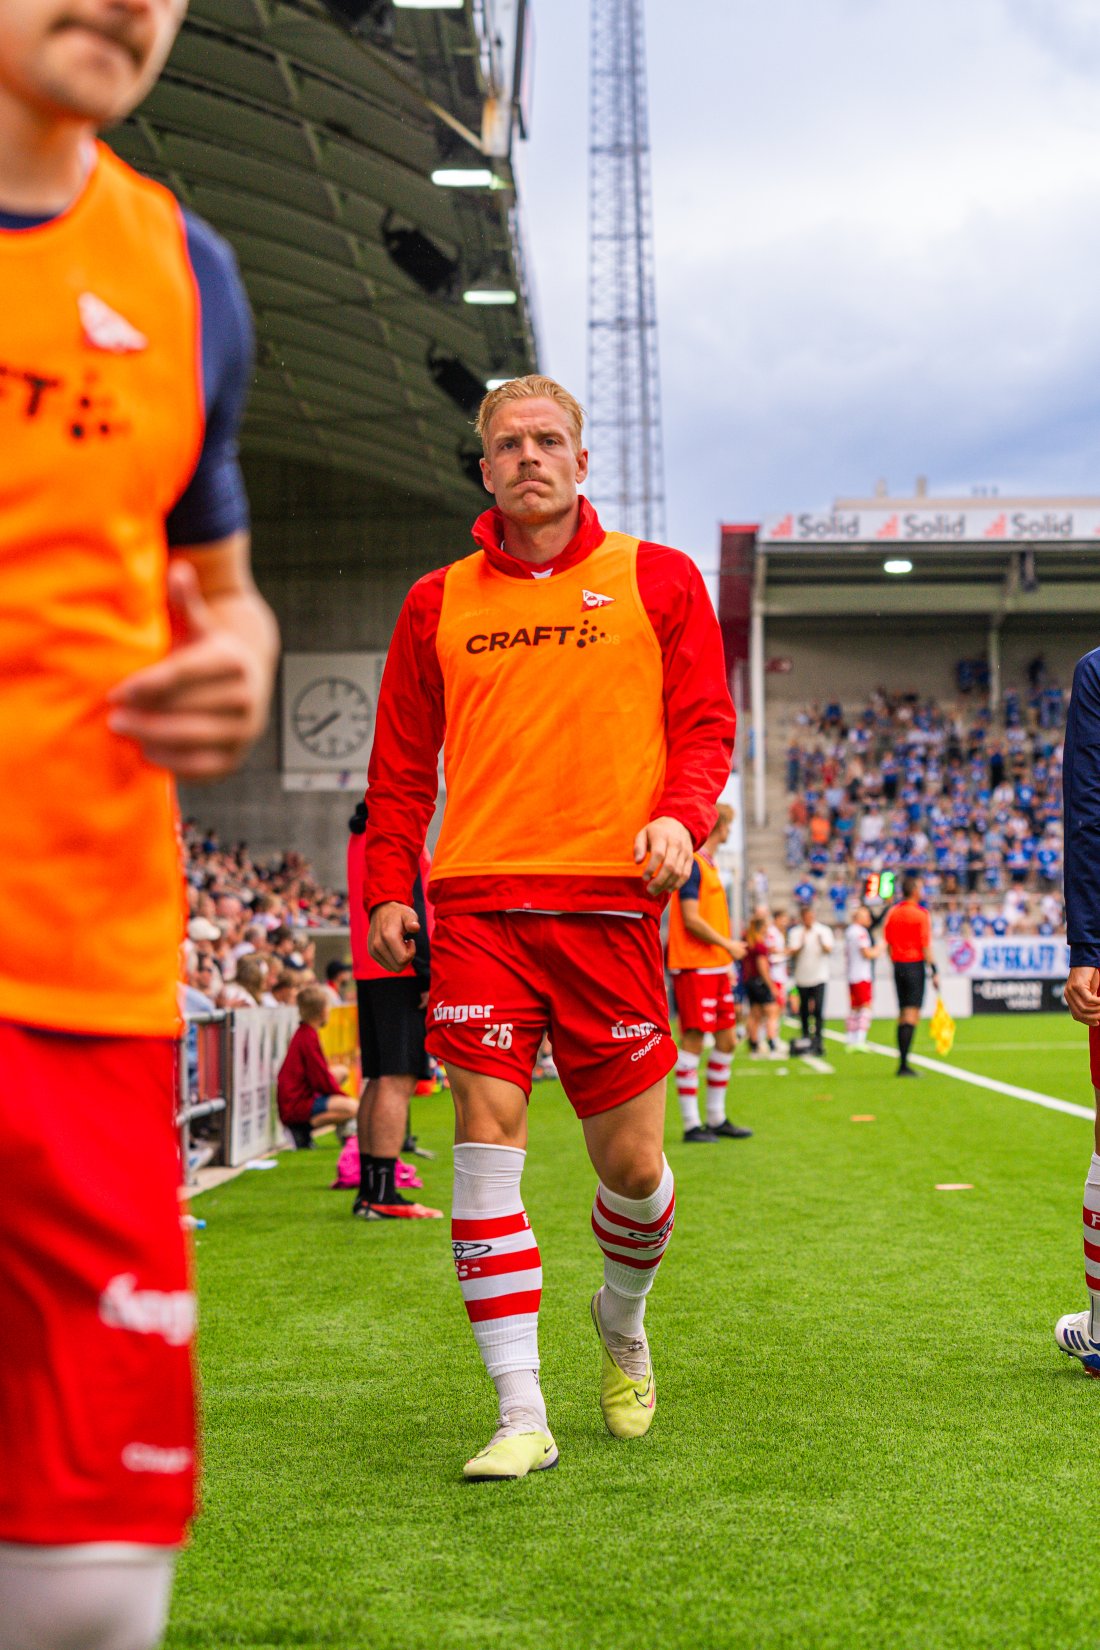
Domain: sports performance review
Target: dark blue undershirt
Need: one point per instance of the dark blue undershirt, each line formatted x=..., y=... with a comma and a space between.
x=213, y=504
x=1081, y=804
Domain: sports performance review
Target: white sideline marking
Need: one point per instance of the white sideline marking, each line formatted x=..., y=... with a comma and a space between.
x=944, y=1070
x=822, y=1067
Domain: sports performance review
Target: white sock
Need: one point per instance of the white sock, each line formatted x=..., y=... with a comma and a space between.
x=1091, y=1217
x=100, y=1596
x=718, y=1076
x=633, y=1235
x=499, y=1271
x=687, y=1088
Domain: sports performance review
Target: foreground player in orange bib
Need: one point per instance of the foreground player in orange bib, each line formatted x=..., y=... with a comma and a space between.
x=575, y=680
x=133, y=647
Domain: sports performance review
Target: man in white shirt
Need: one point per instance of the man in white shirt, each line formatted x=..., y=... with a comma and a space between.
x=810, y=944
x=859, y=955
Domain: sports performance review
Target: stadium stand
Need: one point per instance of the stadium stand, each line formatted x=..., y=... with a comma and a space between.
x=903, y=784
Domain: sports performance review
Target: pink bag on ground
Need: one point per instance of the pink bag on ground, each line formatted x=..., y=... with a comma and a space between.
x=347, y=1171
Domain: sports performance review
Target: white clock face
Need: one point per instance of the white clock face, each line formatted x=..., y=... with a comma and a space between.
x=333, y=718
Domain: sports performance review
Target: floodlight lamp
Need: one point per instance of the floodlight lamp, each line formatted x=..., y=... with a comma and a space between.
x=465, y=177
x=496, y=383
x=898, y=566
x=429, y=5
x=490, y=296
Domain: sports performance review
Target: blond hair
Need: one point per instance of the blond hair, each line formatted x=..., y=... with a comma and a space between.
x=534, y=387
x=312, y=1003
x=725, y=814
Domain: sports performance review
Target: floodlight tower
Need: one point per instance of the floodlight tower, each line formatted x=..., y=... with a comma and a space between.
x=624, y=389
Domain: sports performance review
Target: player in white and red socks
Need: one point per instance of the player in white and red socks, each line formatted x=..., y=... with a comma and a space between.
x=548, y=895
x=701, y=948
x=860, y=954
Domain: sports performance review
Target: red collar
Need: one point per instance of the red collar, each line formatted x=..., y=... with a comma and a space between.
x=488, y=532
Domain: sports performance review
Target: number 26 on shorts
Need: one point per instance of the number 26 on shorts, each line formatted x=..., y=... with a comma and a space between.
x=498, y=1036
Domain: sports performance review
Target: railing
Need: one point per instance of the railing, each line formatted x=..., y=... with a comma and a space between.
x=203, y=1085
x=227, y=1067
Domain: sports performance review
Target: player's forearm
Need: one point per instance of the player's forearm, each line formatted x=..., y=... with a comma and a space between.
x=245, y=615
x=701, y=930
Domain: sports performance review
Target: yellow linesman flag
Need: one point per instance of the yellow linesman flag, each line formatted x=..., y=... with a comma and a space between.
x=942, y=1027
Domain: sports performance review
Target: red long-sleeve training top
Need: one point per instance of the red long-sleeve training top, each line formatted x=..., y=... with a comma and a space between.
x=699, y=726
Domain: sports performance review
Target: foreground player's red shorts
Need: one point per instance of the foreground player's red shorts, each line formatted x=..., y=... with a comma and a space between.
x=97, y=1430
x=859, y=993
x=704, y=1002
x=502, y=979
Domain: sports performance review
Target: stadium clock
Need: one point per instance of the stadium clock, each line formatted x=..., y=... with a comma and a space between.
x=332, y=717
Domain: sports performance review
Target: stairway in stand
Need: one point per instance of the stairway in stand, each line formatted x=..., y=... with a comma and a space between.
x=766, y=846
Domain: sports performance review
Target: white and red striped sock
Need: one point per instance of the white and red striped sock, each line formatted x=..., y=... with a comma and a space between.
x=499, y=1271
x=718, y=1076
x=864, y=1025
x=1091, y=1217
x=687, y=1088
x=633, y=1234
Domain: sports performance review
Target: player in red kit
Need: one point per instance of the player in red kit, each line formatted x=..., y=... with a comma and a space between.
x=133, y=647
x=575, y=680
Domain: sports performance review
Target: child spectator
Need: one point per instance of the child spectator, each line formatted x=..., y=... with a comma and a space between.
x=308, y=1088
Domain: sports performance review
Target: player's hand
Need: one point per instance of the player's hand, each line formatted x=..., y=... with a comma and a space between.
x=197, y=711
x=422, y=1002
x=390, y=941
x=1081, y=995
x=736, y=949
x=663, y=849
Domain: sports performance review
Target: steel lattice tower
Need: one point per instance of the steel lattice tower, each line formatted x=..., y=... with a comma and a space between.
x=624, y=389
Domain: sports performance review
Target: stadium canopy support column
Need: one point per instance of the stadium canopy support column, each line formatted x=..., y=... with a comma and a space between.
x=994, y=654
x=756, y=689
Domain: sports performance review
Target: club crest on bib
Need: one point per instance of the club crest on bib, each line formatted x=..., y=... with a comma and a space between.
x=106, y=329
x=592, y=598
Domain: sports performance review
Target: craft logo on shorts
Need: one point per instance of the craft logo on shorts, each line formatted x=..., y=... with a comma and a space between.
x=640, y=1053
x=155, y=1458
x=461, y=1013
x=167, y=1312
x=641, y=1028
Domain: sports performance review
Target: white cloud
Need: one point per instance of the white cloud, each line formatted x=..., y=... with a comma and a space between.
x=876, y=243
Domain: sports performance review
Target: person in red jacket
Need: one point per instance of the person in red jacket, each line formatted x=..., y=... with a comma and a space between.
x=576, y=682
x=307, y=1087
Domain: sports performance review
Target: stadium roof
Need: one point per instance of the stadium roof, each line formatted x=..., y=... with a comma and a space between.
x=922, y=556
x=311, y=149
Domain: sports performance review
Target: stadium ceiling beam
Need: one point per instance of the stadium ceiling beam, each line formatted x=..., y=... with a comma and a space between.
x=907, y=595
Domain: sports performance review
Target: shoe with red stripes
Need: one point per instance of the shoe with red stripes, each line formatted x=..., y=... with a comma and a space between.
x=628, y=1392
x=1072, y=1335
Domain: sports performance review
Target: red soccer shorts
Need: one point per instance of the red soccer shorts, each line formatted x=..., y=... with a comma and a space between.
x=704, y=1002
x=859, y=993
x=595, y=983
x=97, y=1425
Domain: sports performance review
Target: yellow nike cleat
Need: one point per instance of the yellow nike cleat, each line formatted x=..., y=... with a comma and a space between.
x=512, y=1454
x=628, y=1395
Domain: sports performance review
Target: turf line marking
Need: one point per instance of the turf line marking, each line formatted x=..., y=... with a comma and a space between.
x=1032, y=1096
x=822, y=1067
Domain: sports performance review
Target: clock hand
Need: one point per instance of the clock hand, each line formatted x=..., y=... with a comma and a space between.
x=319, y=727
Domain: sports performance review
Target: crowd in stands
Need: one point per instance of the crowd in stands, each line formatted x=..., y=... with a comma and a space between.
x=249, y=922
x=905, y=784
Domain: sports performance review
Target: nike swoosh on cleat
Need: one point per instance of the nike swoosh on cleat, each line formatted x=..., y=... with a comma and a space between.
x=646, y=1399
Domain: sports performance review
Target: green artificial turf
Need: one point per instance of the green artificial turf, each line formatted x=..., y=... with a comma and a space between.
x=865, y=1436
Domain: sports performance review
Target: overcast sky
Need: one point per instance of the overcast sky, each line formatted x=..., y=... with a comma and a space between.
x=877, y=240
